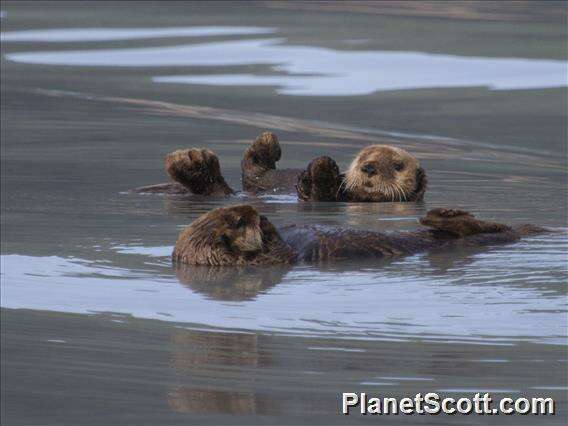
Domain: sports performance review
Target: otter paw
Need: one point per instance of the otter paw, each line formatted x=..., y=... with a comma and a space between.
x=264, y=151
x=448, y=213
x=197, y=169
x=320, y=181
x=460, y=222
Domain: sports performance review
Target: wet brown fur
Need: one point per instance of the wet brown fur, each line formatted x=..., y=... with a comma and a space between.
x=240, y=236
x=235, y=235
x=382, y=173
x=321, y=181
x=198, y=170
x=460, y=223
x=258, y=167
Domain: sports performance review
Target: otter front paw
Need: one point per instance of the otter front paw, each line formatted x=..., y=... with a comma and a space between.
x=460, y=223
x=265, y=151
x=260, y=157
x=447, y=213
x=320, y=181
x=198, y=170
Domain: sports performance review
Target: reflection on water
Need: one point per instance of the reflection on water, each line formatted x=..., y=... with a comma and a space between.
x=190, y=375
x=195, y=351
x=318, y=71
x=229, y=283
x=248, y=361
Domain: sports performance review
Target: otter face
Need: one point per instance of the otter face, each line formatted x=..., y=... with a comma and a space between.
x=224, y=236
x=239, y=230
x=235, y=235
x=384, y=173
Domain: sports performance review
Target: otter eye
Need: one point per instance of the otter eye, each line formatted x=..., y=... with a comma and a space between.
x=398, y=166
x=241, y=223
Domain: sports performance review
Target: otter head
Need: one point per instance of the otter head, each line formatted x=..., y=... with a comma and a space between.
x=239, y=230
x=235, y=235
x=385, y=173
x=198, y=170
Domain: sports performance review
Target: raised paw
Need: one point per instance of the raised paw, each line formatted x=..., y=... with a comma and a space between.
x=264, y=152
x=320, y=181
x=460, y=223
x=442, y=213
x=260, y=157
x=198, y=170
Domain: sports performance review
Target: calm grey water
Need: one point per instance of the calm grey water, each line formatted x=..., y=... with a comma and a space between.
x=99, y=328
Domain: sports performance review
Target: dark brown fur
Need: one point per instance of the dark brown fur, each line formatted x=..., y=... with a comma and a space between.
x=460, y=223
x=240, y=236
x=321, y=181
x=258, y=166
x=195, y=171
x=231, y=236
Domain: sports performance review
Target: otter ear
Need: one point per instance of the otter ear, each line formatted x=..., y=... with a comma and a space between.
x=421, y=184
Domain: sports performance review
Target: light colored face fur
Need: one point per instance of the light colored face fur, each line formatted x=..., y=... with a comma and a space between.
x=382, y=173
x=221, y=237
x=243, y=232
x=237, y=229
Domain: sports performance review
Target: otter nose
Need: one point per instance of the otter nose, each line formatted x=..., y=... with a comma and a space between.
x=369, y=169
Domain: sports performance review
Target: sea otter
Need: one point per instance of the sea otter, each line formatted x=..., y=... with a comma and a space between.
x=239, y=235
x=378, y=173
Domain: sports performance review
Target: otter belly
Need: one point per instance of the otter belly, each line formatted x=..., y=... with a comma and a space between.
x=313, y=243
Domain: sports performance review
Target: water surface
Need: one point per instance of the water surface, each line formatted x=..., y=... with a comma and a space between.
x=97, y=319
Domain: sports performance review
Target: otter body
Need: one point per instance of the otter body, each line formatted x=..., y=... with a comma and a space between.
x=240, y=236
x=379, y=173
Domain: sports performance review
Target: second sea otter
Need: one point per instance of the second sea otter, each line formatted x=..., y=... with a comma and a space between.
x=239, y=235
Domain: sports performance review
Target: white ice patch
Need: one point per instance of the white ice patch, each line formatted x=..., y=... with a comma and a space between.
x=110, y=34
x=306, y=70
